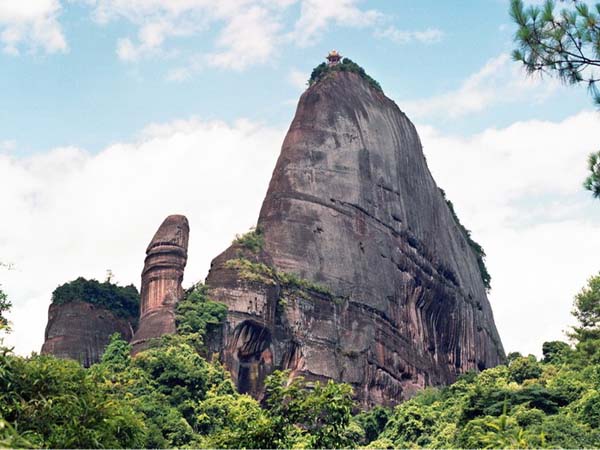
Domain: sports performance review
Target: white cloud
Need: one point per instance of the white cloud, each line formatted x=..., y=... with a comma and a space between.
x=71, y=213
x=179, y=74
x=500, y=80
x=316, y=16
x=298, y=79
x=519, y=190
x=193, y=66
x=427, y=36
x=126, y=51
x=249, y=38
x=248, y=32
x=31, y=24
x=8, y=145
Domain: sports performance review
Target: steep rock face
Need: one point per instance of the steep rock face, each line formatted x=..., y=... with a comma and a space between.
x=166, y=257
x=386, y=293
x=81, y=331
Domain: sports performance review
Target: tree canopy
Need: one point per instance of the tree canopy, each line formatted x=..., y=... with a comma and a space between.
x=563, y=43
x=124, y=301
x=170, y=395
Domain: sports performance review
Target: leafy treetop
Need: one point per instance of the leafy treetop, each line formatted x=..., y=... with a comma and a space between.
x=564, y=43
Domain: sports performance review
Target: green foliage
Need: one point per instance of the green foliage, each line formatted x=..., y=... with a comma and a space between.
x=197, y=315
x=554, y=403
x=259, y=272
x=521, y=369
x=291, y=280
x=497, y=432
x=592, y=182
x=314, y=414
x=54, y=403
x=170, y=396
x=5, y=306
x=528, y=404
x=586, y=335
x=234, y=421
x=413, y=423
x=165, y=385
x=556, y=352
x=253, y=240
x=477, y=249
x=124, y=301
x=563, y=43
x=346, y=65
x=373, y=422
x=587, y=311
x=117, y=354
x=252, y=271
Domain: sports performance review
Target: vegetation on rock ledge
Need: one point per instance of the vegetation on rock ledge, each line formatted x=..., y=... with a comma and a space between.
x=253, y=240
x=123, y=301
x=253, y=271
x=477, y=249
x=346, y=65
x=197, y=315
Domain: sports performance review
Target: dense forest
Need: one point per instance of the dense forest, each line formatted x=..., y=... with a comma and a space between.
x=175, y=395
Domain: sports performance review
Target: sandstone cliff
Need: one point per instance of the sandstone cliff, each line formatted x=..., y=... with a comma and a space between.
x=361, y=274
x=161, y=281
x=80, y=330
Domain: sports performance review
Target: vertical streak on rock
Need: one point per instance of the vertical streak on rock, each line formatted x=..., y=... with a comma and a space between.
x=166, y=257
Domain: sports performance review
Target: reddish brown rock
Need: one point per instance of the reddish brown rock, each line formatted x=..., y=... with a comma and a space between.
x=165, y=261
x=81, y=331
x=387, y=294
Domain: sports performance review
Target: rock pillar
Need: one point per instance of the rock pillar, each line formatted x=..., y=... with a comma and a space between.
x=166, y=257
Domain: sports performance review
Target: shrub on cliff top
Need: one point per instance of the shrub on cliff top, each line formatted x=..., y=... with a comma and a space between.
x=123, y=301
x=253, y=240
x=347, y=65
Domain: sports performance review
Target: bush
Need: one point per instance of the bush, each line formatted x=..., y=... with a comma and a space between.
x=197, y=314
x=253, y=240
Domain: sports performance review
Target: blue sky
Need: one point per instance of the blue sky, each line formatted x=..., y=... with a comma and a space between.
x=115, y=113
x=85, y=95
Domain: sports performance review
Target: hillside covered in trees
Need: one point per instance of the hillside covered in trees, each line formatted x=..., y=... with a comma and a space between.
x=175, y=395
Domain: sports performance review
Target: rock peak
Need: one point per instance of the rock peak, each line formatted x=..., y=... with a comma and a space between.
x=364, y=276
x=174, y=231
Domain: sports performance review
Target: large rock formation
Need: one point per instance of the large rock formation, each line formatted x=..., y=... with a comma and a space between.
x=362, y=275
x=80, y=330
x=161, y=281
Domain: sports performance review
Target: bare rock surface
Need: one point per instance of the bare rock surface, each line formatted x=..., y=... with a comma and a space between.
x=81, y=331
x=166, y=257
x=386, y=293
